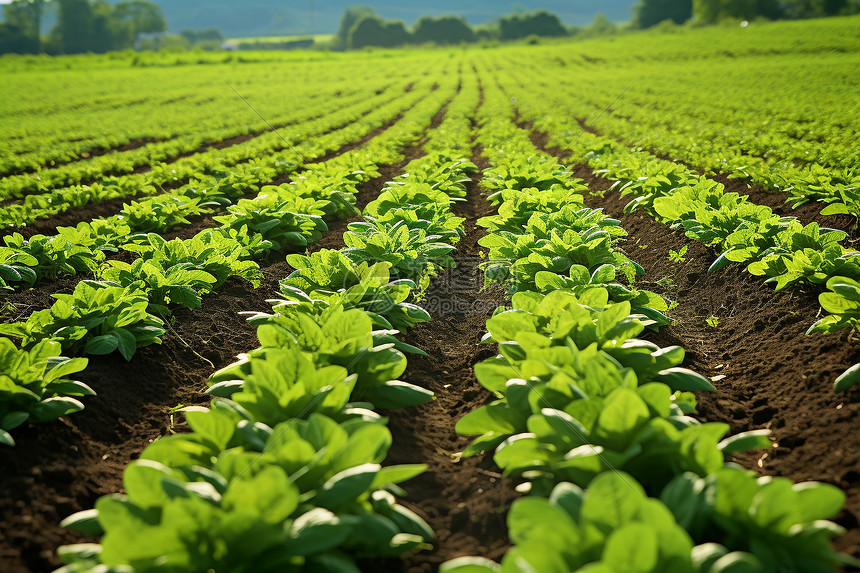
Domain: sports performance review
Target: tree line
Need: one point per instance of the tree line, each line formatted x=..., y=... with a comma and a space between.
x=91, y=26
x=361, y=27
x=97, y=26
x=648, y=13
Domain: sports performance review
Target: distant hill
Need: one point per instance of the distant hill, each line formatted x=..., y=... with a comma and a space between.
x=274, y=17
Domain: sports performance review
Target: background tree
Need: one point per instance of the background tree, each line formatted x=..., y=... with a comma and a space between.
x=190, y=35
x=374, y=31
x=74, y=29
x=104, y=37
x=395, y=34
x=540, y=23
x=350, y=18
x=367, y=31
x=706, y=11
x=651, y=12
x=444, y=30
x=711, y=11
x=137, y=17
x=26, y=15
x=16, y=40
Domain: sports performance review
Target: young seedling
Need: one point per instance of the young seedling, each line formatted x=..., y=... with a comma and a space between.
x=679, y=255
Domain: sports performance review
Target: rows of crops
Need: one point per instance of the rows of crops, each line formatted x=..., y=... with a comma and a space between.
x=240, y=330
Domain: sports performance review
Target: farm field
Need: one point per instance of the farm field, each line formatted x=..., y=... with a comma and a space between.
x=320, y=242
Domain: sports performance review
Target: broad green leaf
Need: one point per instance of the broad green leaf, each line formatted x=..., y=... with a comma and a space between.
x=86, y=522
x=470, y=565
x=752, y=440
x=813, y=501
x=397, y=474
x=269, y=494
x=684, y=380
x=346, y=486
x=847, y=379
x=632, y=548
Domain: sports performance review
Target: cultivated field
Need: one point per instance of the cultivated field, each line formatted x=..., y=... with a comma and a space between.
x=251, y=307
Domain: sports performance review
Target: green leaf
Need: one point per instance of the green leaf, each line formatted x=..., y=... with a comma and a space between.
x=104, y=344
x=86, y=522
x=623, y=413
x=317, y=531
x=79, y=552
x=13, y=419
x=836, y=209
x=53, y=408
x=497, y=418
x=347, y=486
x=397, y=474
x=270, y=494
x=737, y=562
x=847, y=379
x=814, y=501
x=470, y=565
x=6, y=438
x=684, y=380
x=398, y=394
x=613, y=498
x=632, y=549
x=752, y=440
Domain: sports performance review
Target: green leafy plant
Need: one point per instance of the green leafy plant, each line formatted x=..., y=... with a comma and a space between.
x=522, y=257
x=539, y=172
x=418, y=206
x=97, y=318
x=334, y=336
x=330, y=277
x=16, y=269
x=54, y=256
x=678, y=256
x=219, y=252
x=179, y=284
x=161, y=214
x=303, y=496
x=412, y=254
x=102, y=234
x=579, y=282
x=610, y=527
x=780, y=523
x=293, y=221
x=517, y=207
x=712, y=321
x=447, y=174
x=35, y=387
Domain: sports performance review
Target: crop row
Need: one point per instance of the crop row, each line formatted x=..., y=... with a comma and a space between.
x=791, y=140
x=781, y=249
x=269, y=155
x=125, y=309
x=597, y=422
x=95, y=169
x=283, y=472
x=165, y=106
x=80, y=249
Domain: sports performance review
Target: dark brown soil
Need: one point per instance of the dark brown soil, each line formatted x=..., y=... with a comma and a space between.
x=806, y=213
x=464, y=501
x=63, y=467
x=776, y=377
